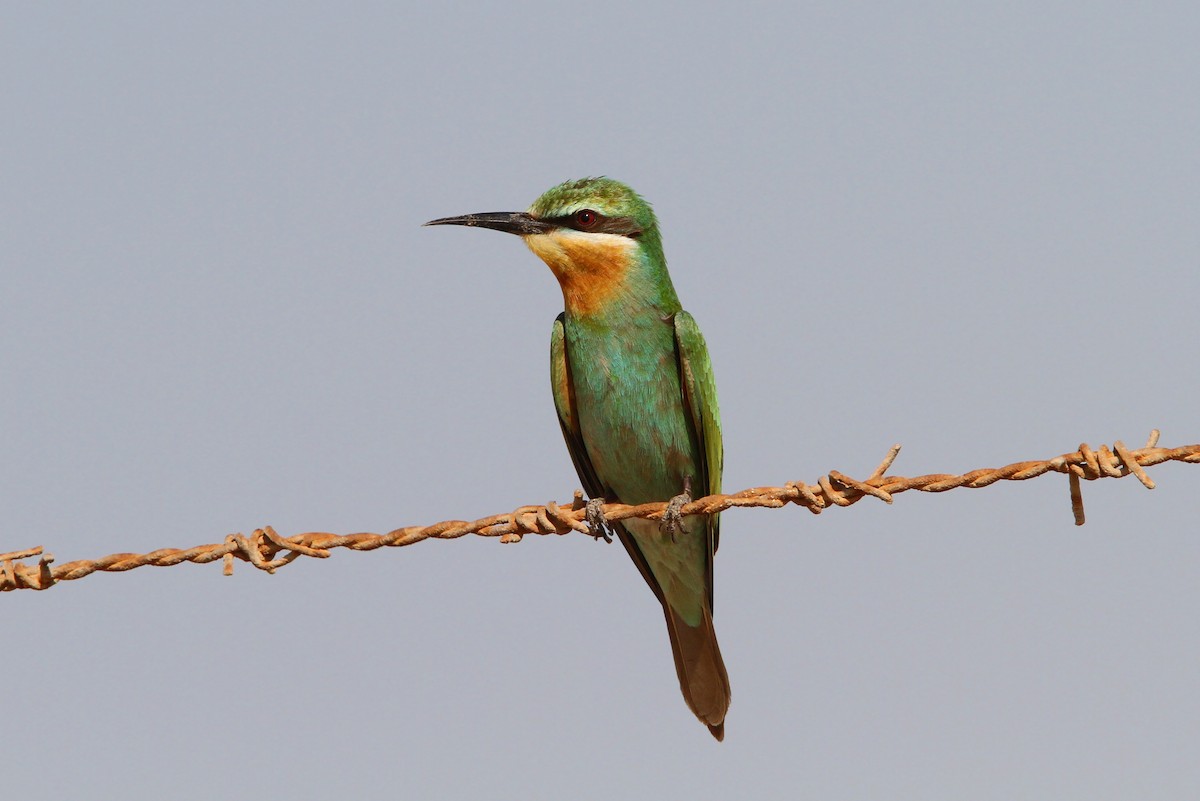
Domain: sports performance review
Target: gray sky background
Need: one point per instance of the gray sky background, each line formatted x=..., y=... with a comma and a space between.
x=970, y=231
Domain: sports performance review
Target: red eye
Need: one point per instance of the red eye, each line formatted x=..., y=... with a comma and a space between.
x=586, y=218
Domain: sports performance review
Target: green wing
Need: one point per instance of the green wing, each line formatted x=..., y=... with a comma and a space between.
x=700, y=398
x=564, y=404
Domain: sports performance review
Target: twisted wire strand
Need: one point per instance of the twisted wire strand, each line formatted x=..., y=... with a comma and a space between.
x=267, y=550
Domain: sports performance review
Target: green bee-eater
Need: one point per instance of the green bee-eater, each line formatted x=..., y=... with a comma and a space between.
x=636, y=399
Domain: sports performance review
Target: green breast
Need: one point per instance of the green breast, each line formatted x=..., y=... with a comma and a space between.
x=626, y=382
x=631, y=416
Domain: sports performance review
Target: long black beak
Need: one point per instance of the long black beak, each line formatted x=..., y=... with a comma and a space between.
x=512, y=222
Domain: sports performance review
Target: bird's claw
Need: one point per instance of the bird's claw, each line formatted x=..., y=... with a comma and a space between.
x=672, y=517
x=597, y=523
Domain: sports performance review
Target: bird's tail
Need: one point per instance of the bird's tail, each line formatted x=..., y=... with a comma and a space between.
x=702, y=676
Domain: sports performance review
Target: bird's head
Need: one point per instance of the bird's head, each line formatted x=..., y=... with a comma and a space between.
x=597, y=235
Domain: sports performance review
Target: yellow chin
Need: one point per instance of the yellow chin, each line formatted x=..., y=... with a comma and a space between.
x=590, y=268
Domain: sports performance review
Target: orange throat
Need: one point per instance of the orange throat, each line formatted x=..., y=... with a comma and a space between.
x=590, y=268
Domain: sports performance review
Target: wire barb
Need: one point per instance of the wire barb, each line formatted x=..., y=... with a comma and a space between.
x=268, y=551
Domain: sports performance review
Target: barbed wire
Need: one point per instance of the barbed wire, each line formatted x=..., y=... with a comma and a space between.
x=266, y=550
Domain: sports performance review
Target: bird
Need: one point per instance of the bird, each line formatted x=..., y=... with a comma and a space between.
x=636, y=400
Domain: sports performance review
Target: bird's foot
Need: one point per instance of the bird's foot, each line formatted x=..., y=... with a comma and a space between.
x=597, y=523
x=672, y=518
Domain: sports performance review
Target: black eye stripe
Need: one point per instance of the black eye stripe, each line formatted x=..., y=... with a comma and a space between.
x=623, y=226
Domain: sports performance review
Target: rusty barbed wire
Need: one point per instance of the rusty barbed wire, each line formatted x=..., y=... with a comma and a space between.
x=266, y=550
